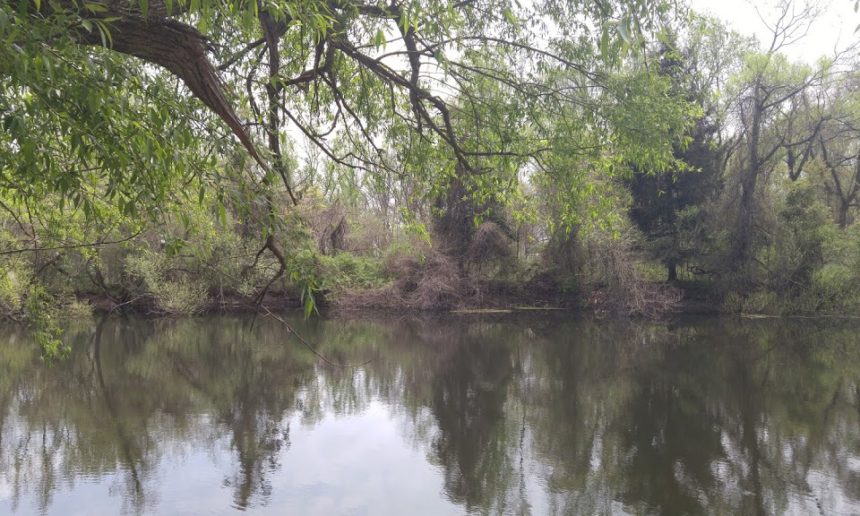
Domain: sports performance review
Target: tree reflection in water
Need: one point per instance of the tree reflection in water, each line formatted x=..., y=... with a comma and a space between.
x=525, y=415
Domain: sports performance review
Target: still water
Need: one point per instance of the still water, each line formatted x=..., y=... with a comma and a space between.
x=470, y=414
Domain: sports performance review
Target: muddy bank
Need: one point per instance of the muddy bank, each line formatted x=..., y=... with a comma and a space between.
x=440, y=296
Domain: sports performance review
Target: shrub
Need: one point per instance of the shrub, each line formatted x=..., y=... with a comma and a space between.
x=617, y=282
x=41, y=313
x=12, y=291
x=757, y=302
x=345, y=271
x=174, y=296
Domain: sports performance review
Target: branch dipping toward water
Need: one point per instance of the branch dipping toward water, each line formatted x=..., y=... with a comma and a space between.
x=308, y=345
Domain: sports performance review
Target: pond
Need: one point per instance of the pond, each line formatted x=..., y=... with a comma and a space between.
x=478, y=414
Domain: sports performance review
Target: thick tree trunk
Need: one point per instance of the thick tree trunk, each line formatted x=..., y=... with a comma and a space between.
x=742, y=252
x=272, y=31
x=844, y=208
x=454, y=225
x=671, y=271
x=173, y=45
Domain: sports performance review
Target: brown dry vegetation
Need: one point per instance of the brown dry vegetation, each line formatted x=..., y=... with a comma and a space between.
x=619, y=287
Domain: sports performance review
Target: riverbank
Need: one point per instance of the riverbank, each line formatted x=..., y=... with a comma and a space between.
x=486, y=297
x=651, y=300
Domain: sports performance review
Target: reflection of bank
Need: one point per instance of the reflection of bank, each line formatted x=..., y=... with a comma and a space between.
x=132, y=457
x=469, y=391
x=480, y=414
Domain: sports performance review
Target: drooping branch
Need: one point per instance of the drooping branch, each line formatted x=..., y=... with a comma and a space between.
x=175, y=46
x=70, y=246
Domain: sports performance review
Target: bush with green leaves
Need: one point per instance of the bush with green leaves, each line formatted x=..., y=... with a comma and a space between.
x=12, y=289
x=171, y=294
x=345, y=271
x=42, y=315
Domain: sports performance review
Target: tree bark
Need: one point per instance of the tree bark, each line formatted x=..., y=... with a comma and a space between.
x=671, y=271
x=742, y=252
x=175, y=46
x=843, y=214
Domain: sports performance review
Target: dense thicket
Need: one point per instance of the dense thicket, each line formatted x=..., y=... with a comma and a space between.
x=180, y=155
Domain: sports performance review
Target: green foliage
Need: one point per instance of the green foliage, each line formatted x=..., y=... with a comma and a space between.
x=86, y=125
x=42, y=313
x=835, y=285
x=809, y=265
x=347, y=271
x=174, y=296
x=797, y=248
x=12, y=290
x=304, y=273
x=567, y=143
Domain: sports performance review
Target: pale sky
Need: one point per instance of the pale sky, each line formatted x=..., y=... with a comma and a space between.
x=835, y=26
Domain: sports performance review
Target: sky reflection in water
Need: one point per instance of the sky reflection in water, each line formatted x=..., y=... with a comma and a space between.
x=500, y=415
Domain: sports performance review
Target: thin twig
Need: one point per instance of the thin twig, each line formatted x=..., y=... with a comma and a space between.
x=307, y=344
x=70, y=246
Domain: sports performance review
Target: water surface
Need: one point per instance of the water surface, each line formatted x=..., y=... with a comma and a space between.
x=472, y=414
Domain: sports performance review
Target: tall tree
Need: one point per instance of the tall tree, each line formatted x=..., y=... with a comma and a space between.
x=342, y=71
x=838, y=145
x=767, y=87
x=667, y=203
x=840, y=155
